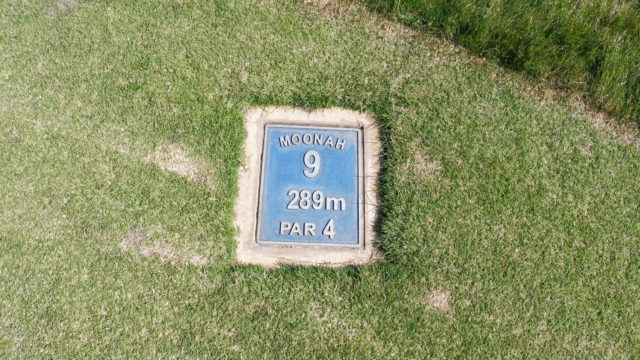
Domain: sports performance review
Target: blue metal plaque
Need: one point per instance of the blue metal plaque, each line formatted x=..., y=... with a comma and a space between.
x=310, y=186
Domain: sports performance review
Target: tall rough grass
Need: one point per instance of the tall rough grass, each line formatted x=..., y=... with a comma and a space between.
x=591, y=46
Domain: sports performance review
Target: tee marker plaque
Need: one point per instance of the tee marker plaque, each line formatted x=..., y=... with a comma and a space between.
x=308, y=188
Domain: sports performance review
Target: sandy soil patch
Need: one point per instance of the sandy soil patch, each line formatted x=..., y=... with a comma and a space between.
x=420, y=164
x=175, y=159
x=140, y=240
x=67, y=6
x=440, y=301
x=62, y=7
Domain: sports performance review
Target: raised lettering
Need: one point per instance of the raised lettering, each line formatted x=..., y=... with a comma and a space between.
x=329, y=141
x=295, y=229
x=329, y=230
x=311, y=160
x=309, y=229
x=336, y=203
x=284, y=227
x=285, y=141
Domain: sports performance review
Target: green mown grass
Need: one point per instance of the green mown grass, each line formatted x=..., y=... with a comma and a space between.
x=509, y=223
x=586, y=46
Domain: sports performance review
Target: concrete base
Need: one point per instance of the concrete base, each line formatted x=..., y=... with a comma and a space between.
x=246, y=206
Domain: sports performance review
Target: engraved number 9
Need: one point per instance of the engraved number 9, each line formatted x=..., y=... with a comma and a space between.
x=312, y=162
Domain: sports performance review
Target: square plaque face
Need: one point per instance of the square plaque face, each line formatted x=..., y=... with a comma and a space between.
x=310, y=186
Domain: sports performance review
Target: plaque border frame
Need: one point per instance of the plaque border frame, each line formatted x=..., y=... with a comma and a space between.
x=249, y=250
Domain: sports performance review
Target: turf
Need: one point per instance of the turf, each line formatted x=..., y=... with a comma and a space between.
x=509, y=222
x=587, y=46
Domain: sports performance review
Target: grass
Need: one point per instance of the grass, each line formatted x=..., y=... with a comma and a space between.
x=586, y=46
x=509, y=222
